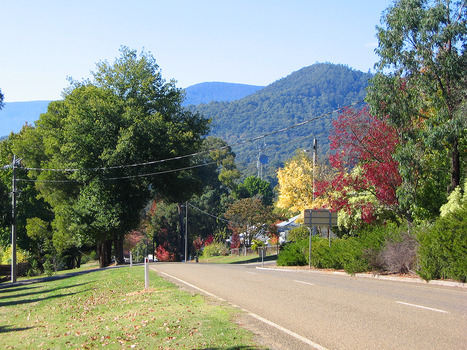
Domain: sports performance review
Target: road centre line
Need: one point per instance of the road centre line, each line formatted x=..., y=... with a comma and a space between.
x=259, y=318
x=302, y=282
x=422, y=307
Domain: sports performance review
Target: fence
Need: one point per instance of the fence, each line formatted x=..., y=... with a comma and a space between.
x=22, y=269
x=270, y=250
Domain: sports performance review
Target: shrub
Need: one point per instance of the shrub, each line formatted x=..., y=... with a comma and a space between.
x=344, y=253
x=163, y=254
x=298, y=234
x=215, y=249
x=257, y=243
x=399, y=256
x=293, y=254
x=443, y=247
x=5, y=255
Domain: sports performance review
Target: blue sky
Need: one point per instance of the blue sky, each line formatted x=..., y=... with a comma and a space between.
x=240, y=41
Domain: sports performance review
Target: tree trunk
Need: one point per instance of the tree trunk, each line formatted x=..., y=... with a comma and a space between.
x=105, y=252
x=455, y=166
x=118, y=250
x=78, y=260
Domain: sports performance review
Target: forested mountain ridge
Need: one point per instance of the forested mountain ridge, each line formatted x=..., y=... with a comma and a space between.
x=304, y=94
x=15, y=114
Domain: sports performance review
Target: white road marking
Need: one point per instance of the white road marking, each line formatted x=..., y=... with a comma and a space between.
x=259, y=318
x=251, y=273
x=308, y=283
x=422, y=307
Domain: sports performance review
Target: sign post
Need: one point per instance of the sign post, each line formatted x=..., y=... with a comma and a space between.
x=146, y=273
x=319, y=217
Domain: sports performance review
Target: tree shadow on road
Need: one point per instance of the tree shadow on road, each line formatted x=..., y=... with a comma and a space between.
x=256, y=260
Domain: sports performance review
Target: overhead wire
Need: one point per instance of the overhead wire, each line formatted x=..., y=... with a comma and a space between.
x=181, y=157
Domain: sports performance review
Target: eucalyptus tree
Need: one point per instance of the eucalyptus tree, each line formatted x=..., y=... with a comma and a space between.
x=420, y=85
x=117, y=138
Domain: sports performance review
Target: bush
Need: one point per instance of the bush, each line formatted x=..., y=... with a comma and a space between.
x=443, y=247
x=298, y=234
x=400, y=255
x=257, y=243
x=387, y=247
x=5, y=255
x=344, y=253
x=215, y=249
x=293, y=254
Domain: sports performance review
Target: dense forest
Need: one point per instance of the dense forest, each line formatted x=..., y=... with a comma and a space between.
x=307, y=93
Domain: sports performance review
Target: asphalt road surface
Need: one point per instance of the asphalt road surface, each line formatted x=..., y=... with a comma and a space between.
x=324, y=311
x=299, y=309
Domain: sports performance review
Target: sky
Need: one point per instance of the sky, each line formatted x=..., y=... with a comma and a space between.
x=240, y=41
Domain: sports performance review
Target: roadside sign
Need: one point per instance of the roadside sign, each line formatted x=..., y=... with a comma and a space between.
x=320, y=217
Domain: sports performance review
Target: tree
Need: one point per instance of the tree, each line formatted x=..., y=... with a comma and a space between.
x=367, y=176
x=250, y=217
x=420, y=85
x=254, y=186
x=127, y=115
x=296, y=183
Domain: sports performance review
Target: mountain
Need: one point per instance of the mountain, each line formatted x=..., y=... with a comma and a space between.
x=217, y=91
x=307, y=93
x=15, y=114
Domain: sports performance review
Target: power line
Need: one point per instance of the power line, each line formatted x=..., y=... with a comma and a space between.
x=125, y=177
x=211, y=215
x=202, y=152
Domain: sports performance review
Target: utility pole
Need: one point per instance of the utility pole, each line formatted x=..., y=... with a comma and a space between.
x=186, y=232
x=13, y=224
x=315, y=153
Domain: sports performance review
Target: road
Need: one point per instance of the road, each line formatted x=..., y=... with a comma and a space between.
x=324, y=311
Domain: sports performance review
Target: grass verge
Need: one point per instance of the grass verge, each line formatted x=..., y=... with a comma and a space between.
x=236, y=259
x=111, y=308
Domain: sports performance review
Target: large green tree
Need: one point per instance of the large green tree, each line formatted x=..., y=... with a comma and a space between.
x=420, y=85
x=254, y=186
x=121, y=136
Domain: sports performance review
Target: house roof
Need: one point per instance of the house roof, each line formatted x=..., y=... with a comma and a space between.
x=290, y=222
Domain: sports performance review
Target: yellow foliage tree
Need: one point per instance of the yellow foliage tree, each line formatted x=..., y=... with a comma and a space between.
x=296, y=184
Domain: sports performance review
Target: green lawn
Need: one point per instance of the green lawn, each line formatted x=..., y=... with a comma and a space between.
x=236, y=259
x=110, y=308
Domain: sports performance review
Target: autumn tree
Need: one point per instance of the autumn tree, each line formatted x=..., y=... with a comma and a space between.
x=367, y=176
x=250, y=217
x=295, y=188
x=420, y=85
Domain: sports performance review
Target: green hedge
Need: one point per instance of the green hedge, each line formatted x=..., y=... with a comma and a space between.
x=353, y=254
x=442, y=251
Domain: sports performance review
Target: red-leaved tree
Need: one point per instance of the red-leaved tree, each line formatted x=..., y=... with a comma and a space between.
x=360, y=139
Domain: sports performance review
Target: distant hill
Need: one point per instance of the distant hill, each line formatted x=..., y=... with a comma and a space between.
x=217, y=91
x=15, y=114
x=304, y=94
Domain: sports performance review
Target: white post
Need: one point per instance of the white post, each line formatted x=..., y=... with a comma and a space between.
x=131, y=259
x=146, y=273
